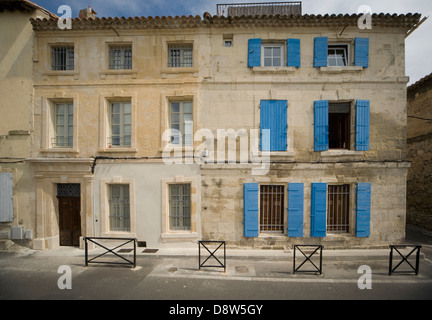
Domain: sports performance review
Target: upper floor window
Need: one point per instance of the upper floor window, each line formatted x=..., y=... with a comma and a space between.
x=273, y=55
x=62, y=57
x=338, y=55
x=181, y=122
x=120, y=57
x=120, y=121
x=63, y=126
x=180, y=55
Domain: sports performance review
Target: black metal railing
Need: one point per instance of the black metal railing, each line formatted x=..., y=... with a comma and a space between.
x=212, y=252
x=108, y=250
x=308, y=257
x=415, y=269
x=259, y=8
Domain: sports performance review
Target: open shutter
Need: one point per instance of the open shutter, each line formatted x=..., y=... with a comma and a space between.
x=273, y=116
x=361, y=52
x=250, y=207
x=293, y=53
x=254, y=53
x=320, y=52
x=318, y=210
x=362, y=125
x=295, y=209
x=321, y=125
x=6, y=197
x=363, y=209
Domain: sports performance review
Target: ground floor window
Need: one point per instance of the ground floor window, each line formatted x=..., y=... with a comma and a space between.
x=179, y=207
x=119, y=208
x=272, y=208
x=338, y=208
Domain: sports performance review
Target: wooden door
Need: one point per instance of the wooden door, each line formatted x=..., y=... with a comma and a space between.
x=69, y=220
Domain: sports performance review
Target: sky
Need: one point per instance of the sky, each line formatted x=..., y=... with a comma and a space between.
x=418, y=45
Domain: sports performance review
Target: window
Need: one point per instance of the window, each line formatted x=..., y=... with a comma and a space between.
x=273, y=55
x=120, y=121
x=119, y=210
x=339, y=126
x=333, y=128
x=179, y=207
x=62, y=57
x=63, y=115
x=272, y=208
x=338, y=208
x=338, y=55
x=180, y=55
x=273, y=120
x=277, y=54
x=120, y=57
x=6, y=197
x=181, y=123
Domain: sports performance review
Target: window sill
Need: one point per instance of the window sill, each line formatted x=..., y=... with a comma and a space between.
x=174, y=148
x=274, y=155
x=132, y=72
x=274, y=69
x=118, y=150
x=341, y=69
x=61, y=73
x=184, y=236
x=60, y=150
x=341, y=153
x=118, y=234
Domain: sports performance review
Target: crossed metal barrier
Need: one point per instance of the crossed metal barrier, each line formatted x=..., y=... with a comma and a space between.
x=404, y=258
x=212, y=254
x=308, y=257
x=108, y=250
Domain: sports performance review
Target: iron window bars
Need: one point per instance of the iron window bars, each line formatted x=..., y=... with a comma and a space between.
x=62, y=57
x=120, y=57
x=180, y=55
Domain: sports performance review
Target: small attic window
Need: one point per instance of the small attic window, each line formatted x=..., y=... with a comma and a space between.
x=227, y=40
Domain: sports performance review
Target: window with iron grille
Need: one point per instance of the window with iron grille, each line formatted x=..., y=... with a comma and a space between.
x=180, y=55
x=62, y=57
x=63, y=125
x=120, y=57
x=272, y=208
x=180, y=207
x=119, y=214
x=120, y=121
x=338, y=208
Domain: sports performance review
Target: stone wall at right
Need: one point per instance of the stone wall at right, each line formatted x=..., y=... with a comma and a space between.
x=419, y=152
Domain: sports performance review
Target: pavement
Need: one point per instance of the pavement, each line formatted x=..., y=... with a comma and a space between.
x=31, y=274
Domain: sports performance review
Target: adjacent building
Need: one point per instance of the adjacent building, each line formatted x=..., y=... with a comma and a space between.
x=261, y=130
x=419, y=201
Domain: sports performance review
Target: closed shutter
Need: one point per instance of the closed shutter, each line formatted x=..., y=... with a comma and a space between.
x=318, y=209
x=254, y=53
x=320, y=52
x=295, y=209
x=321, y=125
x=250, y=207
x=361, y=52
x=6, y=197
x=274, y=118
x=362, y=125
x=363, y=209
x=293, y=53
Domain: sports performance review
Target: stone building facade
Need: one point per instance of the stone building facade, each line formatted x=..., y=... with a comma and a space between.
x=419, y=203
x=262, y=131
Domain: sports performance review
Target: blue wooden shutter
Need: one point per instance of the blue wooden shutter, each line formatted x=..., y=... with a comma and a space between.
x=321, y=125
x=6, y=197
x=361, y=52
x=293, y=53
x=254, y=53
x=274, y=117
x=295, y=209
x=363, y=209
x=318, y=210
x=362, y=125
x=250, y=207
x=320, y=52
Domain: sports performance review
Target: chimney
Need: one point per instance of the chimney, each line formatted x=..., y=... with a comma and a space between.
x=88, y=13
